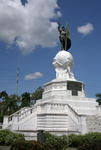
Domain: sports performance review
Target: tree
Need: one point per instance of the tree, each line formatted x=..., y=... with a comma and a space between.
x=3, y=95
x=11, y=104
x=8, y=104
x=1, y=112
x=25, y=99
x=98, y=98
x=37, y=94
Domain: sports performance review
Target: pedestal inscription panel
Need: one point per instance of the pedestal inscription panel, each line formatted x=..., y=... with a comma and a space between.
x=72, y=85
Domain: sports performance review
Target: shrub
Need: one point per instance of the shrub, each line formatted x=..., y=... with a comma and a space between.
x=90, y=141
x=92, y=146
x=7, y=137
x=76, y=140
x=26, y=145
x=55, y=142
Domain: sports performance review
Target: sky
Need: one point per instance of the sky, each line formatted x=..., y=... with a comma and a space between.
x=29, y=40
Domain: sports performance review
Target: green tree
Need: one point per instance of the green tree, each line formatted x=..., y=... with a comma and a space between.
x=98, y=98
x=8, y=104
x=3, y=96
x=37, y=94
x=11, y=104
x=25, y=99
x=1, y=112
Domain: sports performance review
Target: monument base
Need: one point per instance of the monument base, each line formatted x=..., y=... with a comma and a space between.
x=63, y=109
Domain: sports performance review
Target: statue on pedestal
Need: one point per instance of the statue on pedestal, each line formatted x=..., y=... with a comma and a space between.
x=63, y=61
x=64, y=37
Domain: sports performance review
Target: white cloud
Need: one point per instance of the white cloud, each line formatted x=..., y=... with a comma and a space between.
x=30, y=25
x=85, y=29
x=33, y=76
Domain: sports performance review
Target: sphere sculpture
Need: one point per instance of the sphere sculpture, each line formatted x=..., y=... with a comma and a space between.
x=63, y=63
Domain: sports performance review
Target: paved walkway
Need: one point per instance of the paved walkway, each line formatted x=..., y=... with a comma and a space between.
x=4, y=148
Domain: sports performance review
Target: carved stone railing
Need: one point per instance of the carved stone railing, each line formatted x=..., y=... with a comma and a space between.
x=21, y=114
x=73, y=114
x=79, y=119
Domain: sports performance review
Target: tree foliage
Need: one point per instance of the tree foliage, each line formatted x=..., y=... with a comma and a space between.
x=25, y=99
x=37, y=94
x=8, y=104
x=12, y=103
x=98, y=98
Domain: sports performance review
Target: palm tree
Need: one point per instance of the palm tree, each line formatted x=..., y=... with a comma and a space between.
x=98, y=98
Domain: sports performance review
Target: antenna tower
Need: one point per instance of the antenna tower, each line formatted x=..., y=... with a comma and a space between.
x=17, y=80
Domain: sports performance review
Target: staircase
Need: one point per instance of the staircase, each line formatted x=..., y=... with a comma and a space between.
x=19, y=118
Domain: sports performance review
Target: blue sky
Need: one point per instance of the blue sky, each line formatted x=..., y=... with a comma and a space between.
x=29, y=39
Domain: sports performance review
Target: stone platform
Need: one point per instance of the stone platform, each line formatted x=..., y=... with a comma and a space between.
x=64, y=109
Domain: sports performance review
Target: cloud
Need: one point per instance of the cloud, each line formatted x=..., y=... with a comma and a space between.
x=85, y=29
x=33, y=76
x=29, y=25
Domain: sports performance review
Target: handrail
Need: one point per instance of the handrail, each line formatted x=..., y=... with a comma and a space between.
x=74, y=113
x=21, y=114
x=18, y=111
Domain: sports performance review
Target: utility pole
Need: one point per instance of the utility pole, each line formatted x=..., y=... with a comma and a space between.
x=17, y=80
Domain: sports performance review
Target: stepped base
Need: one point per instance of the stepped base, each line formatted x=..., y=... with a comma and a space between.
x=64, y=109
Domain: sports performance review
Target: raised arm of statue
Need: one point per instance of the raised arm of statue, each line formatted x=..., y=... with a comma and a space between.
x=59, y=28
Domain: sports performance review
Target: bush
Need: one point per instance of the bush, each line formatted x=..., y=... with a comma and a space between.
x=55, y=142
x=26, y=145
x=76, y=140
x=90, y=141
x=51, y=143
x=92, y=146
x=7, y=137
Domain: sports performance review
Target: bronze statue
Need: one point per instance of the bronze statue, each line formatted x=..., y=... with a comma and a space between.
x=64, y=37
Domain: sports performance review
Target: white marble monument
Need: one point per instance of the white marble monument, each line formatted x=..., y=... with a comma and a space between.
x=63, y=109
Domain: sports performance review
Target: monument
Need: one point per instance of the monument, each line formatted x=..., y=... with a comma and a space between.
x=64, y=107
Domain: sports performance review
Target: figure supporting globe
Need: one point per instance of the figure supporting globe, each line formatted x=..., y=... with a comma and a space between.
x=63, y=63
